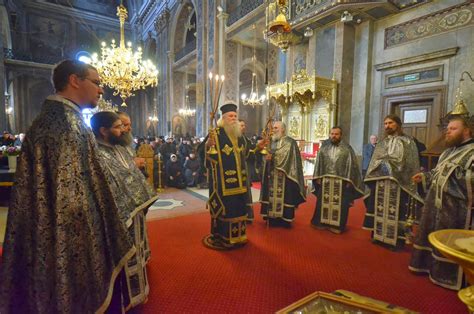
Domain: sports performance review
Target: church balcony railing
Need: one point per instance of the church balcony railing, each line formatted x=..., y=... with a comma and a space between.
x=28, y=56
x=242, y=10
x=187, y=49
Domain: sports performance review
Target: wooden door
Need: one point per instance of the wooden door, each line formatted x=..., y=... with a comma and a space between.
x=418, y=121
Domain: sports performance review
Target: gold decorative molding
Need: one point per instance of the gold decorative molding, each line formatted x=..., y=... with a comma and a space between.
x=305, y=89
x=439, y=22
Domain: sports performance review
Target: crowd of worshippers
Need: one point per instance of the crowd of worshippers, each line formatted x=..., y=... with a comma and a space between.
x=78, y=206
x=9, y=140
x=181, y=164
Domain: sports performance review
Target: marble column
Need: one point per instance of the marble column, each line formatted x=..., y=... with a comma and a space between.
x=361, y=91
x=170, y=88
x=3, y=100
x=222, y=18
x=3, y=78
x=343, y=72
x=201, y=69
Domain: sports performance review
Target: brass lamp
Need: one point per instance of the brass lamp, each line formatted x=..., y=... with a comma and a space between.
x=460, y=107
x=279, y=31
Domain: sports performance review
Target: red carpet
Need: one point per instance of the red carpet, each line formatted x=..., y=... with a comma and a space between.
x=279, y=266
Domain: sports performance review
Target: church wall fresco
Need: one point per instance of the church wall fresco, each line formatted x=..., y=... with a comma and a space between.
x=231, y=73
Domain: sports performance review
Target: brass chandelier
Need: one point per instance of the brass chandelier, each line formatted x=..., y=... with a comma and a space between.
x=122, y=69
x=279, y=31
x=186, y=111
x=254, y=99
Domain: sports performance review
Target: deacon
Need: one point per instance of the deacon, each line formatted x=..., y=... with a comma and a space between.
x=132, y=194
x=282, y=181
x=337, y=182
x=225, y=159
x=65, y=242
x=448, y=204
x=249, y=163
x=393, y=196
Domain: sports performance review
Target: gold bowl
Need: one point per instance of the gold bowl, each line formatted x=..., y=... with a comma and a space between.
x=458, y=246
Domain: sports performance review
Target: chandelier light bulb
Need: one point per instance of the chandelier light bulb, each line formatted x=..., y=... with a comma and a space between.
x=244, y=96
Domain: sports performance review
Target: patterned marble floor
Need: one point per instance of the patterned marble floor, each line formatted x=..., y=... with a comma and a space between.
x=174, y=202
x=171, y=203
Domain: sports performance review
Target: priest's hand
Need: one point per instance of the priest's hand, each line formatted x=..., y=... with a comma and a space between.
x=210, y=141
x=262, y=143
x=417, y=177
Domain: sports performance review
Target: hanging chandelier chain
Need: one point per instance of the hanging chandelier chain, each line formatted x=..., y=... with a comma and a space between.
x=254, y=99
x=122, y=69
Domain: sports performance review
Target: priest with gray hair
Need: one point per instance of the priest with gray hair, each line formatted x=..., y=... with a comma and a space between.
x=282, y=181
x=225, y=155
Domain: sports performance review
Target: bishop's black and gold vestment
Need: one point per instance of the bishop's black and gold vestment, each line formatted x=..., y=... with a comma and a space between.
x=227, y=192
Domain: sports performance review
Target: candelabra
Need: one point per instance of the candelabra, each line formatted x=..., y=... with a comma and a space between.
x=122, y=69
x=159, y=163
x=215, y=88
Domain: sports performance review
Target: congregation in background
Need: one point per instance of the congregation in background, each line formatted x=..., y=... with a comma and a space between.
x=100, y=181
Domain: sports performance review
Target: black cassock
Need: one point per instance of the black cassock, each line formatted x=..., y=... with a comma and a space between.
x=227, y=192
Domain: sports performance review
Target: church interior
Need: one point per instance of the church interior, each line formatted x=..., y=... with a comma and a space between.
x=313, y=64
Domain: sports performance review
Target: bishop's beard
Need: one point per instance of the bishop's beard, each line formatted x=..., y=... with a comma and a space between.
x=232, y=130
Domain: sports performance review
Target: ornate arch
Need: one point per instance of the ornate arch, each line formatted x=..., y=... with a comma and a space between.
x=174, y=23
x=5, y=27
